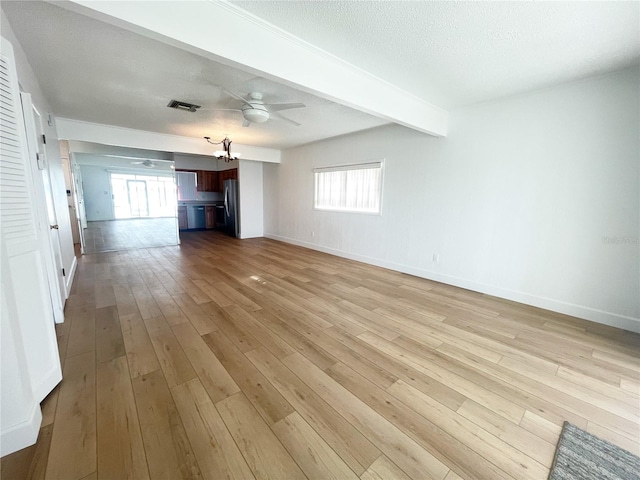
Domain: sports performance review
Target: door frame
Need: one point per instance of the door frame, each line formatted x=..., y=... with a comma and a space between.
x=44, y=208
x=76, y=180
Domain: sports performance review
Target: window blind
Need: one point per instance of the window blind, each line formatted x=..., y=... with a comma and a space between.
x=349, y=188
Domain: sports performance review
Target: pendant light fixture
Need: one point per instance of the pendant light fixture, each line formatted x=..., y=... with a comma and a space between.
x=224, y=154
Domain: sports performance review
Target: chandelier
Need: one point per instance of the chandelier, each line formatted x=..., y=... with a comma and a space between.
x=224, y=154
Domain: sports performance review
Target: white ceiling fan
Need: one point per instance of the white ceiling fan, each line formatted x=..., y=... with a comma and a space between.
x=254, y=110
x=145, y=162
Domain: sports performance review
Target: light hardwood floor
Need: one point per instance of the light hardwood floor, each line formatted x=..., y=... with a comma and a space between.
x=117, y=235
x=248, y=359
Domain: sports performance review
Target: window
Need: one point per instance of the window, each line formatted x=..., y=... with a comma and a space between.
x=349, y=188
x=143, y=195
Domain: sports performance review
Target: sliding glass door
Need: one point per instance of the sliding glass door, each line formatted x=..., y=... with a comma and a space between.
x=136, y=196
x=138, y=201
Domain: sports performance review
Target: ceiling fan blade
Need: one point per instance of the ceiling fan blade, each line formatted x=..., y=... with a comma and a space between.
x=284, y=119
x=246, y=123
x=274, y=107
x=235, y=95
x=147, y=163
x=140, y=159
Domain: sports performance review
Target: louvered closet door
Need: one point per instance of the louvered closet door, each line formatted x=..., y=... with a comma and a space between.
x=28, y=306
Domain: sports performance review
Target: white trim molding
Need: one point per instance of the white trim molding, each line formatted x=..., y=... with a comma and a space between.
x=70, y=276
x=23, y=434
x=69, y=129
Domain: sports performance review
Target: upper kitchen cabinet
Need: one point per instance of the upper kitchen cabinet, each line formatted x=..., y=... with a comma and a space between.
x=207, y=181
x=231, y=174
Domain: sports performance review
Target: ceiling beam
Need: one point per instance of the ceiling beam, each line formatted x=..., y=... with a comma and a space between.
x=128, y=137
x=229, y=35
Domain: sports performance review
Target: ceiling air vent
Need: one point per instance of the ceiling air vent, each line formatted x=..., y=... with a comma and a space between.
x=189, y=107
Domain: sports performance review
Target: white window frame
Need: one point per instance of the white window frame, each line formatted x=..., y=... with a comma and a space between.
x=349, y=167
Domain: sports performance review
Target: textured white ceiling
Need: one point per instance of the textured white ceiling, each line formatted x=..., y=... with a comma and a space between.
x=459, y=53
x=96, y=72
x=124, y=164
x=448, y=53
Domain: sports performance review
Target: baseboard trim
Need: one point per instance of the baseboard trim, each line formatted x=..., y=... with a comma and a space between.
x=23, y=434
x=559, y=306
x=69, y=278
x=48, y=383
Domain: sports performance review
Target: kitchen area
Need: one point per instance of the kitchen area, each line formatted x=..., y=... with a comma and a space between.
x=208, y=199
x=222, y=195
x=136, y=198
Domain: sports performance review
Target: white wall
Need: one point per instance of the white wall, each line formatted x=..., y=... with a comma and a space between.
x=222, y=165
x=533, y=198
x=271, y=199
x=250, y=185
x=202, y=162
x=192, y=162
x=96, y=186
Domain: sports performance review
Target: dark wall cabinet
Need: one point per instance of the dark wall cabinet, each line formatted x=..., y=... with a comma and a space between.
x=209, y=181
x=223, y=175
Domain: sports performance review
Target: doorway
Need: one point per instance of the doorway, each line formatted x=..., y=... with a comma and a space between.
x=128, y=204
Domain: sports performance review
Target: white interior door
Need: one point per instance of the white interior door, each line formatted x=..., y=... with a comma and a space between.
x=45, y=209
x=25, y=307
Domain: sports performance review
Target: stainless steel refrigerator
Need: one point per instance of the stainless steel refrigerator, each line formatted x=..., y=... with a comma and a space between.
x=231, y=208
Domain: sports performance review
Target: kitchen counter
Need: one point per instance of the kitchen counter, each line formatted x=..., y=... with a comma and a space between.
x=184, y=203
x=200, y=214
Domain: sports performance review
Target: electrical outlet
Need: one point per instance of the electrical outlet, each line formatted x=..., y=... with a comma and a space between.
x=435, y=258
x=313, y=234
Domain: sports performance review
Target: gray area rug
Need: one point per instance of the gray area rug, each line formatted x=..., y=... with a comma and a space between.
x=580, y=455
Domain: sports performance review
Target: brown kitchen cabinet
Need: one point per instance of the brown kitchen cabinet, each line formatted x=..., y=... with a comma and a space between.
x=231, y=174
x=210, y=216
x=182, y=218
x=207, y=181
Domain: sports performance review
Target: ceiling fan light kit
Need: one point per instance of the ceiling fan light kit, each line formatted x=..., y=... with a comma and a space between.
x=254, y=110
x=255, y=115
